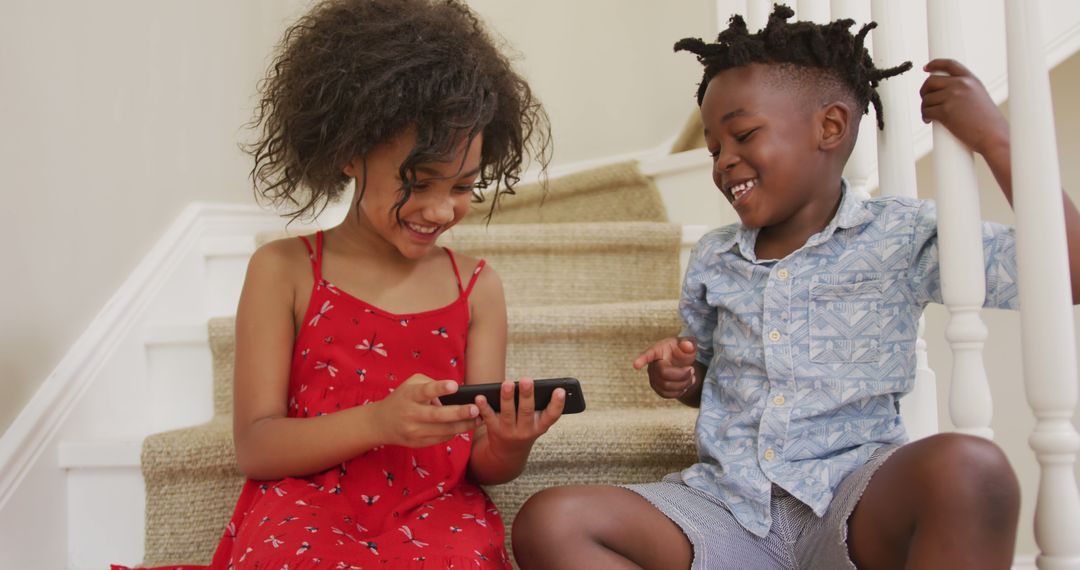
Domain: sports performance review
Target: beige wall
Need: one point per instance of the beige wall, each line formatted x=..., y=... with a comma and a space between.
x=115, y=114
x=1013, y=420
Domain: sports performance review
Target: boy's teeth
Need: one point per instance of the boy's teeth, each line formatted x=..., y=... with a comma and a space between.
x=742, y=188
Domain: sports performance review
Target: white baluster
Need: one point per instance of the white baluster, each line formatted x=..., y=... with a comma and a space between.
x=896, y=177
x=813, y=11
x=724, y=10
x=1049, y=343
x=757, y=14
x=960, y=245
x=859, y=170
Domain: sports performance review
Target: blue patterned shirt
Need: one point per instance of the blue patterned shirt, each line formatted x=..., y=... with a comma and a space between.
x=808, y=355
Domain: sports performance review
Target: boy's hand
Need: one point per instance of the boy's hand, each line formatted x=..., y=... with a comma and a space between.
x=412, y=415
x=671, y=366
x=511, y=431
x=959, y=101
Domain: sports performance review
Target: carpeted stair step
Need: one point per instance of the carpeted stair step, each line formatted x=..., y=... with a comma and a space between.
x=550, y=264
x=595, y=343
x=617, y=192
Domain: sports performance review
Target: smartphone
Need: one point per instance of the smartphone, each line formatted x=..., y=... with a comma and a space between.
x=542, y=391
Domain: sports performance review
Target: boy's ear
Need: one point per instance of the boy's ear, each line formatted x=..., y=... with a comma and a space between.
x=834, y=122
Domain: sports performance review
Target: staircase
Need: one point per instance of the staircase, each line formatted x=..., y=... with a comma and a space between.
x=583, y=299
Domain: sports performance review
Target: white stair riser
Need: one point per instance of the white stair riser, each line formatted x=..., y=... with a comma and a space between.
x=105, y=517
x=180, y=381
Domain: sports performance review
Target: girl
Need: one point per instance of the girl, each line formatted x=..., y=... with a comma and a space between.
x=345, y=339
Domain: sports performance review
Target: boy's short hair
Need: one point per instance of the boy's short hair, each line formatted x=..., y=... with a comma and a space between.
x=824, y=57
x=351, y=74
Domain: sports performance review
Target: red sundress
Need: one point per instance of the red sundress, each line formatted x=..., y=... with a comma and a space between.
x=393, y=506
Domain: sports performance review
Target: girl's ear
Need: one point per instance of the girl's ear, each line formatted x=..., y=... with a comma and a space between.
x=354, y=169
x=835, y=125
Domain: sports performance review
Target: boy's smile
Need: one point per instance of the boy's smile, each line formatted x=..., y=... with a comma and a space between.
x=769, y=136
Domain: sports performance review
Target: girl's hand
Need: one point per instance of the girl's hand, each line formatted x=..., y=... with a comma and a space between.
x=511, y=431
x=671, y=366
x=412, y=415
x=959, y=101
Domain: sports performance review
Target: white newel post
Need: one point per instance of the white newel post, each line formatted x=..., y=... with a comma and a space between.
x=813, y=11
x=960, y=246
x=896, y=177
x=1049, y=343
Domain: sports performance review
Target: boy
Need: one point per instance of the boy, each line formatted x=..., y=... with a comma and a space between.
x=799, y=340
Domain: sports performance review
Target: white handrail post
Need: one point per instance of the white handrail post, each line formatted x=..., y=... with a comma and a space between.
x=963, y=284
x=813, y=11
x=1049, y=343
x=859, y=170
x=757, y=14
x=725, y=9
x=896, y=177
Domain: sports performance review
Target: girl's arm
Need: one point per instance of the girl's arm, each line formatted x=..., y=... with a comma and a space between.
x=270, y=445
x=959, y=101
x=502, y=444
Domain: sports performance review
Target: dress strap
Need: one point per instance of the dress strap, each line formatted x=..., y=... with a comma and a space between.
x=315, y=255
x=475, y=275
x=464, y=290
x=457, y=273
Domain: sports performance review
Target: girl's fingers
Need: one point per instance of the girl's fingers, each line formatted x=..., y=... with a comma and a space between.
x=554, y=409
x=430, y=390
x=486, y=412
x=507, y=413
x=526, y=398
x=448, y=414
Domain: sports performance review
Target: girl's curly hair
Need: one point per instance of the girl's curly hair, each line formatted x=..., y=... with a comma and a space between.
x=352, y=74
x=827, y=49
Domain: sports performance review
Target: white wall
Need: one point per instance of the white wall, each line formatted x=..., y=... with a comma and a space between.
x=115, y=114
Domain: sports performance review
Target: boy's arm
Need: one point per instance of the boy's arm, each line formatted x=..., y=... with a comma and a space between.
x=959, y=101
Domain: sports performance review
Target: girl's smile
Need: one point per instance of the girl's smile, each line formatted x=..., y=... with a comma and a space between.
x=439, y=197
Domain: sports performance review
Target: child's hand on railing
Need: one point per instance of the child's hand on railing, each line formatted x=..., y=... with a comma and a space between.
x=954, y=97
x=671, y=366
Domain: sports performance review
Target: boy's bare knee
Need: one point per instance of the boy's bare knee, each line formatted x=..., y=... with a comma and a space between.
x=970, y=473
x=545, y=517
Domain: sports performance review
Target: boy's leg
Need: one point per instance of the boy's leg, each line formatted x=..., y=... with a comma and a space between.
x=947, y=501
x=596, y=526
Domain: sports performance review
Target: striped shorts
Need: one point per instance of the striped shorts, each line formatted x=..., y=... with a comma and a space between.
x=797, y=540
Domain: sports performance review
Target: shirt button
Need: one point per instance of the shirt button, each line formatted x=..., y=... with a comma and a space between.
x=779, y=400
x=783, y=274
x=770, y=454
x=774, y=335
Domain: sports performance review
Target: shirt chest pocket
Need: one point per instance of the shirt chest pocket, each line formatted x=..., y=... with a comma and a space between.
x=845, y=321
